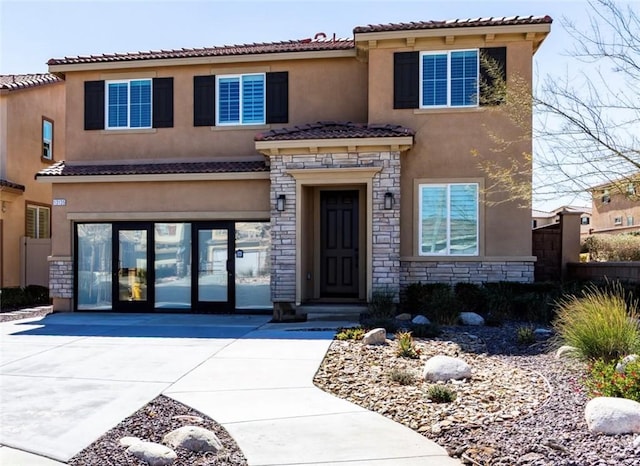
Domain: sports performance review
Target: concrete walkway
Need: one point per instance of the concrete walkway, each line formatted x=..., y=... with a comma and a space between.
x=69, y=378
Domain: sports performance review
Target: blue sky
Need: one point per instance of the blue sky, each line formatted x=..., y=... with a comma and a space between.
x=32, y=32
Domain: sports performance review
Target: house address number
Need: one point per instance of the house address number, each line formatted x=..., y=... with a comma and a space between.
x=59, y=202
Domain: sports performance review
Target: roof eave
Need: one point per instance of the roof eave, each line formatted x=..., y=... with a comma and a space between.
x=313, y=146
x=226, y=176
x=211, y=60
x=535, y=32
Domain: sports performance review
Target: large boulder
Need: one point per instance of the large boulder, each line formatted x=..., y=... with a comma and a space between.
x=421, y=320
x=446, y=368
x=377, y=336
x=154, y=454
x=193, y=438
x=471, y=318
x=613, y=416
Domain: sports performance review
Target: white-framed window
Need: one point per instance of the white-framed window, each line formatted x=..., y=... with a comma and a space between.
x=629, y=220
x=617, y=221
x=240, y=99
x=448, y=219
x=584, y=221
x=449, y=79
x=128, y=104
x=38, y=221
x=47, y=139
x=606, y=196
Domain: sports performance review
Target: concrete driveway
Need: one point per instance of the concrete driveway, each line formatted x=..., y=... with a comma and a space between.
x=68, y=378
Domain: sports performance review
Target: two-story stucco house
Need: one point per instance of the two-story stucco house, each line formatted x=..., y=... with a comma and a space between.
x=31, y=138
x=616, y=206
x=249, y=176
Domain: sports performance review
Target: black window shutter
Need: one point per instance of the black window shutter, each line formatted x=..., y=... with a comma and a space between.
x=204, y=100
x=277, y=97
x=493, y=75
x=406, y=79
x=163, y=102
x=93, y=105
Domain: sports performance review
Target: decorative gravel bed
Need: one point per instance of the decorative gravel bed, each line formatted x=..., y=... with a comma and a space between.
x=151, y=423
x=522, y=406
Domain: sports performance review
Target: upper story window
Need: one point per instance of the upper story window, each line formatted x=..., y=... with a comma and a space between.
x=449, y=79
x=38, y=221
x=584, y=221
x=47, y=139
x=129, y=104
x=606, y=196
x=448, y=219
x=241, y=99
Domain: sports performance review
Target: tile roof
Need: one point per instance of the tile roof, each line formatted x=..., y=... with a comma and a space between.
x=23, y=81
x=10, y=184
x=454, y=23
x=153, y=168
x=303, y=45
x=334, y=130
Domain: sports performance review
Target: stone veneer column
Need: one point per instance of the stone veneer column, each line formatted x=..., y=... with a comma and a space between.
x=385, y=249
x=385, y=241
x=60, y=277
x=283, y=232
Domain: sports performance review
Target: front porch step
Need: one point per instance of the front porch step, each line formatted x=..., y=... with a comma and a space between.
x=332, y=312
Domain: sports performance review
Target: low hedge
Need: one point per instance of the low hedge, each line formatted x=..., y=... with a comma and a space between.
x=17, y=297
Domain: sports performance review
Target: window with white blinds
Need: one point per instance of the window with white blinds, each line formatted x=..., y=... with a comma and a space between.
x=38, y=222
x=449, y=79
x=128, y=104
x=448, y=219
x=241, y=99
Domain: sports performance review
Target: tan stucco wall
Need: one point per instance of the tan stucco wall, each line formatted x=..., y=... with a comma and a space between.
x=445, y=139
x=604, y=214
x=153, y=201
x=321, y=89
x=20, y=160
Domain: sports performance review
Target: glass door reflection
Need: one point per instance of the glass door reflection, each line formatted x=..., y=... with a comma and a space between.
x=213, y=265
x=132, y=265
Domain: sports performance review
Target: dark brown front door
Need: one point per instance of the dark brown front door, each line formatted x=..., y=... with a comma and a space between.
x=339, y=244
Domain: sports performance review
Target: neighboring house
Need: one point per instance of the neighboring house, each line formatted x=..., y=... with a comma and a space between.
x=31, y=138
x=270, y=175
x=616, y=206
x=541, y=218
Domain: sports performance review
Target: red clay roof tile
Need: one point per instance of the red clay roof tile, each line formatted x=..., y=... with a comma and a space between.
x=10, y=184
x=23, y=81
x=334, y=130
x=454, y=23
x=152, y=168
x=304, y=45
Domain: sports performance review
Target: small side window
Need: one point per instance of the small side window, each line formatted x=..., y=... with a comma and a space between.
x=47, y=139
x=617, y=221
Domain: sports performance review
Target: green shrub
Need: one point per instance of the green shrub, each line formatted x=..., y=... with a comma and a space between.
x=406, y=346
x=440, y=394
x=500, y=298
x=402, y=376
x=600, y=323
x=382, y=304
x=355, y=333
x=36, y=294
x=471, y=296
x=612, y=247
x=425, y=330
x=390, y=325
x=525, y=336
x=434, y=300
x=603, y=380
